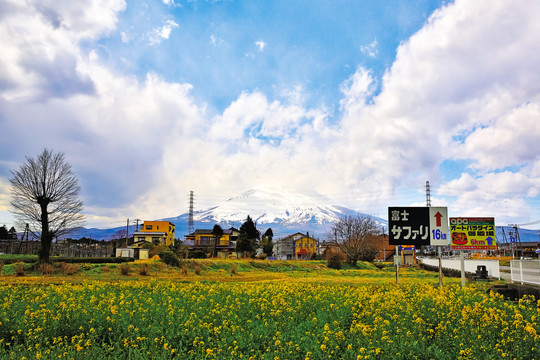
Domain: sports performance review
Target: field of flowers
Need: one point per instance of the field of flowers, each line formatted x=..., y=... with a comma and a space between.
x=210, y=320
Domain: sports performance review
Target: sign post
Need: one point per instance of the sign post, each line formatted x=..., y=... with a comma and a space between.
x=472, y=233
x=419, y=226
x=396, y=260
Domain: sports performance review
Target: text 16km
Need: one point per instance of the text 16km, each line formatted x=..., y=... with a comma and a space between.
x=438, y=234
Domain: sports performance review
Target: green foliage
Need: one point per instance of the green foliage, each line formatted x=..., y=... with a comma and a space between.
x=248, y=237
x=169, y=258
x=3, y=233
x=19, y=268
x=267, y=245
x=263, y=321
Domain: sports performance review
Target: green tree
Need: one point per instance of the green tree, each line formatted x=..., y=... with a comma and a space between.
x=12, y=233
x=3, y=233
x=248, y=237
x=45, y=195
x=217, y=231
x=266, y=242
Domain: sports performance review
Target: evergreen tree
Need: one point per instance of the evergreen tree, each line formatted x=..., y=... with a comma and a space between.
x=248, y=237
x=3, y=233
x=269, y=234
x=12, y=233
x=217, y=231
x=266, y=242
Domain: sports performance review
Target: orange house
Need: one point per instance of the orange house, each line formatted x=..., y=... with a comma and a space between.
x=305, y=247
x=155, y=232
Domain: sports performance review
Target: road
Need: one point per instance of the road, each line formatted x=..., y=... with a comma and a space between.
x=529, y=274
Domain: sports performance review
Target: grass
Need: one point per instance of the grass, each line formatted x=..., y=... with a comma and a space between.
x=195, y=270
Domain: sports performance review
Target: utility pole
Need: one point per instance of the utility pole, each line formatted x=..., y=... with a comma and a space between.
x=439, y=248
x=127, y=231
x=137, y=223
x=191, y=227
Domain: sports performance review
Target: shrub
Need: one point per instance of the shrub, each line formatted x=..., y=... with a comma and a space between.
x=19, y=268
x=262, y=256
x=198, y=269
x=157, y=250
x=198, y=254
x=170, y=258
x=45, y=268
x=144, y=269
x=69, y=269
x=184, y=270
x=124, y=269
x=86, y=266
x=234, y=269
x=335, y=258
x=1, y=266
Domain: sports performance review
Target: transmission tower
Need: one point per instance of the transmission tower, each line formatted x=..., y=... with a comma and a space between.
x=428, y=194
x=190, y=226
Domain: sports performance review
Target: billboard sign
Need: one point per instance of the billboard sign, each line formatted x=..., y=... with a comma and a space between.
x=472, y=234
x=418, y=226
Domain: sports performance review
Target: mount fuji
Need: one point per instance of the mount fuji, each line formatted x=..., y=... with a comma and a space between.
x=286, y=213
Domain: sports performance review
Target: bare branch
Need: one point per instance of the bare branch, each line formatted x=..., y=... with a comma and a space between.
x=45, y=195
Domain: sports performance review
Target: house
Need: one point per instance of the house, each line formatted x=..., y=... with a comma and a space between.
x=204, y=239
x=295, y=246
x=305, y=247
x=284, y=247
x=154, y=232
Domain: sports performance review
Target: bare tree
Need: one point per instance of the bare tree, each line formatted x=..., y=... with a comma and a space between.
x=45, y=195
x=354, y=236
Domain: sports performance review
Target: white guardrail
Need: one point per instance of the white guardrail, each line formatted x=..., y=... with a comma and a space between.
x=525, y=271
x=492, y=266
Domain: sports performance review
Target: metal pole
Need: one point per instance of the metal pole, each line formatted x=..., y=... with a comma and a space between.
x=462, y=258
x=440, y=266
x=397, y=264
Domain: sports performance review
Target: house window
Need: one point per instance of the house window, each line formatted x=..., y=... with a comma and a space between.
x=155, y=240
x=148, y=227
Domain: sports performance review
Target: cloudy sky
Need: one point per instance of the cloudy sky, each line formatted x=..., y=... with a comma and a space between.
x=358, y=101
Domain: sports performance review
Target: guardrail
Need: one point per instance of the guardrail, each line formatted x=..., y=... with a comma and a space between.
x=492, y=266
x=525, y=271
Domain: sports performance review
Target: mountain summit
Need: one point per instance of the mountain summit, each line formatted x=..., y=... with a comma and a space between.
x=266, y=207
x=284, y=212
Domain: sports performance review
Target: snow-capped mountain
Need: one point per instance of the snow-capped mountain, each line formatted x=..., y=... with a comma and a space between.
x=267, y=207
x=284, y=212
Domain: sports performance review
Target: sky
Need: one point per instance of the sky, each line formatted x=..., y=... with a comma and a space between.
x=358, y=101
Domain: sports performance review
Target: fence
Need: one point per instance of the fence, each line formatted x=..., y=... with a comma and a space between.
x=492, y=266
x=66, y=250
x=525, y=271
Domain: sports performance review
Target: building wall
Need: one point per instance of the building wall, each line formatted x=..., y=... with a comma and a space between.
x=138, y=237
x=160, y=226
x=284, y=247
x=305, y=247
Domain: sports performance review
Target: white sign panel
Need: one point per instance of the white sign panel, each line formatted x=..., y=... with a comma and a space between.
x=438, y=224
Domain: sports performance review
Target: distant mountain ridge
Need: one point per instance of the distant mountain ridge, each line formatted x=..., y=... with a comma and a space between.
x=286, y=213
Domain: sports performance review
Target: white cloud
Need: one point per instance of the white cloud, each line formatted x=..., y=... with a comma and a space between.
x=471, y=73
x=260, y=44
x=371, y=49
x=162, y=33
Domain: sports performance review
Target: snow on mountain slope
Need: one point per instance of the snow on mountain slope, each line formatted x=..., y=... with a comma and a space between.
x=266, y=207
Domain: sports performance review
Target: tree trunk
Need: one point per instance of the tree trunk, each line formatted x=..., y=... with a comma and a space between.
x=46, y=236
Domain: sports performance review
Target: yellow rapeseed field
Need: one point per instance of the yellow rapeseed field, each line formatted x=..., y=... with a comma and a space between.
x=168, y=319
